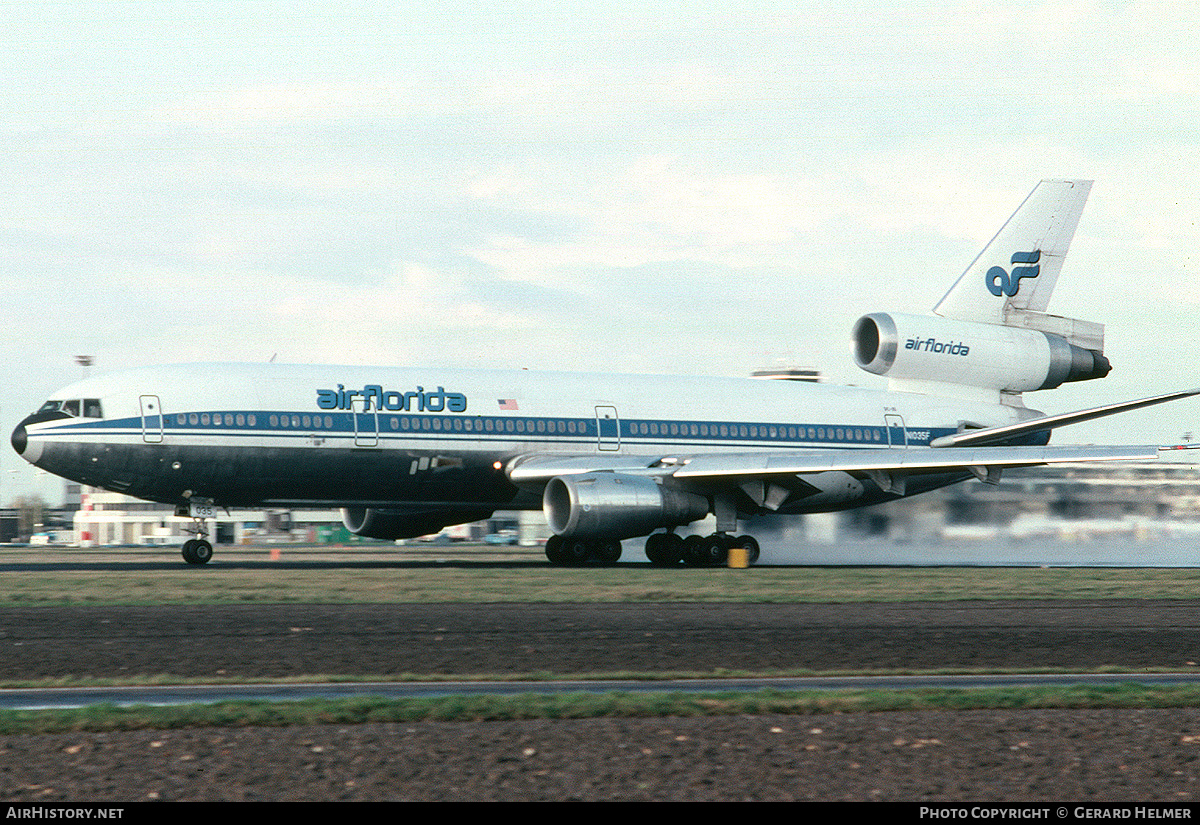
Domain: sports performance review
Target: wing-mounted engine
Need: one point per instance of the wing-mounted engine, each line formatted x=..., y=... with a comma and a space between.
x=407, y=522
x=915, y=350
x=613, y=505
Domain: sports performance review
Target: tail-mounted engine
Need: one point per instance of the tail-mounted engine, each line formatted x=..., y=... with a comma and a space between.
x=611, y=505
x=1009, y=359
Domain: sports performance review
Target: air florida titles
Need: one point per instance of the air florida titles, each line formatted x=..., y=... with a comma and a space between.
x=375, y=397
x=934, y=345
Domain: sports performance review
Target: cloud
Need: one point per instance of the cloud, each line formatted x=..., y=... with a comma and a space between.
x=613, y=188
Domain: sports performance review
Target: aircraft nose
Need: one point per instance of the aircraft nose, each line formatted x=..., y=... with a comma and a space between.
x=19, y=439
x=30, y=450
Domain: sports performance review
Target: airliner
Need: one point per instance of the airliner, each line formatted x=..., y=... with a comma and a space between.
x=407, y=451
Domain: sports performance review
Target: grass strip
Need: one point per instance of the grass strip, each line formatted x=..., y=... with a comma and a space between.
x=362, y=710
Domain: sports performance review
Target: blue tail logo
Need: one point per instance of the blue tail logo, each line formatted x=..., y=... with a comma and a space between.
x=1000, y=282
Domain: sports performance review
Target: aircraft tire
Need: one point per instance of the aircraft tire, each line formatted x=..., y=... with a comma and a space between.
x=656, y=549
x=653, y=546
x=672, y=553
x=693, y=551
x=197, y=551
x=715, y=550
x=608, y=551
x=750, y=545
x=576, y=551
x=554, y=550
x=203, y=552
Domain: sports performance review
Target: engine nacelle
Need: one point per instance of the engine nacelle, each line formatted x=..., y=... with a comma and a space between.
x=1008, y=359
x=611, y=505
x=406, y=522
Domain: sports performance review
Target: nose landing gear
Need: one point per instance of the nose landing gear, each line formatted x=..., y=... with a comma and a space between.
x=197, y=551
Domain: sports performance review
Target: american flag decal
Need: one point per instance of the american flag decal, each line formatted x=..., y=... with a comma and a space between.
x=508, y=403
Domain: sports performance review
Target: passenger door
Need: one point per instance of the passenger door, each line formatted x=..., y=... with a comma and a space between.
x=152, y=421
x=608, y=428
x=366, y=422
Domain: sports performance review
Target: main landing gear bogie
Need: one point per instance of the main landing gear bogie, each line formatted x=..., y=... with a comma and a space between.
x=668, y=549
x=577, y=551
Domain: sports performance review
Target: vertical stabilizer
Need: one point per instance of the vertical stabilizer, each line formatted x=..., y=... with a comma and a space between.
x=1016, y=272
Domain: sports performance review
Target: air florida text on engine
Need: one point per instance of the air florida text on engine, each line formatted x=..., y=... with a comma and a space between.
x=418, y=401
x=934, y=345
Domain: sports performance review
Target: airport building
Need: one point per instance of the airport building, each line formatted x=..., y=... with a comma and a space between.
x=1067, y=501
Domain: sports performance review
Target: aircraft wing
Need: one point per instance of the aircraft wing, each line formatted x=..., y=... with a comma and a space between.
x=761, y=463
x=973, y=450
x=1049, y=422
x=913, y=459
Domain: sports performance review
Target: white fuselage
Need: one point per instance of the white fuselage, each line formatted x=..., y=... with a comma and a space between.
x=339, y=435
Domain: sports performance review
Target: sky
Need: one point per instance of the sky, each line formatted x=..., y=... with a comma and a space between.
x=697, y=188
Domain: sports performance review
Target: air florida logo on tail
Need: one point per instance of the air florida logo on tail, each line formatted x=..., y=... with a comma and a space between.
x=1000, y=282
x=376, y=397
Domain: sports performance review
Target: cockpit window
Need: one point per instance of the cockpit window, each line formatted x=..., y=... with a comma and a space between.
x=90, y=407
